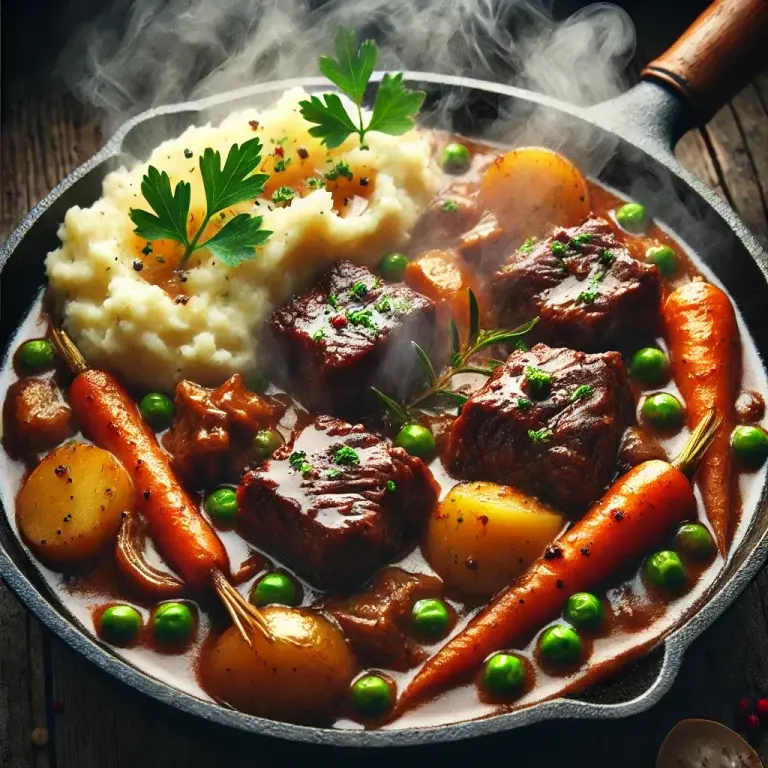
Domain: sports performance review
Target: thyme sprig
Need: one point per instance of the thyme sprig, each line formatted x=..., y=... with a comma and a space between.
x=462, y=359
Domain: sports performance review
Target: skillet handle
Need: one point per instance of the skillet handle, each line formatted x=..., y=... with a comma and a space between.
x=716, y=57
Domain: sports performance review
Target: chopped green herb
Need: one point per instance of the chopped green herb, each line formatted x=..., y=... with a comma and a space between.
x=147, y=249
x=538, y=381
x=450, y=205
x=588, y=296
x=391, y=487
x=524, y=404
x=358, y=290
x=318, y=335
x=581, y=239
x=347, y=456
x=340, y=169
x=540, y=435
x=333, y=473
x=315, y=183
x=528, y=245
x=607, y=257
x=296, y=459
x=394, y=106
x=598, y=277
x=305, y=468
x=400, y=306
x=333, y=300
x=582, y=391
x=362, y=317
x=282, y=196
x=384, y=304
x=558, y=248
x=281, y=165
x=376, y=282
x=521, y=346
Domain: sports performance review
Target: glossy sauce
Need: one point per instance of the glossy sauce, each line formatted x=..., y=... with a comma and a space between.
x=636, y=618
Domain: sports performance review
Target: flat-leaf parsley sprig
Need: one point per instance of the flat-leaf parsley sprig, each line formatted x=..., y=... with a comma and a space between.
x=224, y=187
x=462, y=360
x=394, y=108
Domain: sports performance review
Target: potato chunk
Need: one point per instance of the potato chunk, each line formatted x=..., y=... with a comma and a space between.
x=69, y=507
x=533, y=189
x=482, y=536
x=300, y=677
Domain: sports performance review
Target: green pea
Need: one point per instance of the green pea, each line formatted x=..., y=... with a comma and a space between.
x=664, y=258
x=417, y=440
x=662, y=410
x=560, y=645
x=694, y=542
x=649, y=365
x=750, y=444
x=665, y=570
x=266, y=442
x=392, y=267
x=455, y=158
x=584, y=610
x=157, y=410
x=431, y=618
x=173, y=623
x=371, y=696
x=275, y=588
x=632, y=217
x=36, y=355
x=120, y=625
x=503, y=674
x=221, y=505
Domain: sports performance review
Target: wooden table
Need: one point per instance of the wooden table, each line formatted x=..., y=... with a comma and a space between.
x=95, y=722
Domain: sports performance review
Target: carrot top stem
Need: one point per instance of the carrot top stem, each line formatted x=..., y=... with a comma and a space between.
x=68, y=351
x=701, y=438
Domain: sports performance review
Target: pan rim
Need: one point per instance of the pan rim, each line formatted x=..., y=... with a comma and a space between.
x=674, y=645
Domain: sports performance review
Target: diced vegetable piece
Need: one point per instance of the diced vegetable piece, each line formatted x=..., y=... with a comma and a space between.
x=417, y=440
x=120, y=625
x=69, y=507
x=650, y=366
x=482, y=536
x=560, y=645
x=694, y=542
x=533, y=189
x=662, y=410
x=431, y=618
x=221, y=505
x=173, y=623
x=266, y=442
x=664, y=258
x=157, y=410
x=372, y=696
x=275, y=588
x=36, y=355
x=300, y=676
x=750, y=444
x=503, y=674
x=665, y=570
x=584, y=610
x=632, y=217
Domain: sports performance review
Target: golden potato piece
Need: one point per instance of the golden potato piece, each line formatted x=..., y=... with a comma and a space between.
x=69, y=507
x=482, y=536
x=300, y=677
x=533, y=189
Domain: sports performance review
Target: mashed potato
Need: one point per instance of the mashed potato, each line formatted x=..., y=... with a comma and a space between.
x=127, y=310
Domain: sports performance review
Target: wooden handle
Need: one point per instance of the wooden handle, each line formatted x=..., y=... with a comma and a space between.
x=717, y=56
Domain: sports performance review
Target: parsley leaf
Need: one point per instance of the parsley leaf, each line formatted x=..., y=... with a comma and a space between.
x=393, y=109
x=540, y=435
x=346, y=455
x=224, y=186
x=582, y=391
x=528, y=245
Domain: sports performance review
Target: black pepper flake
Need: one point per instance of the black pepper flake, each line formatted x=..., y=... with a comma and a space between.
x=60, y=470
x=69, y=480
x=364, y=181
x=618, y=515
x=188, y=153
x=559, y=584
x=585, y=551
x=254, y=124
x=521, y=601
x=471, y=563
x=302, y=153
x=146, y=495
x=483, y=519
x=553, y=553
x=138, y=265
x=181, y=300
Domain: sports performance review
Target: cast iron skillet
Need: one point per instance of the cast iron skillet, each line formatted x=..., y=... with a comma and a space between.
x=638, y=131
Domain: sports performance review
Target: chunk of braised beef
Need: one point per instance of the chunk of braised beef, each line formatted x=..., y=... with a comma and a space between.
x=377, y=620
x=210, y=439
x=336, y=502
x=35, y=417
x=637, y=447
x=549, y=422
x=350, y=332
x=584, y=286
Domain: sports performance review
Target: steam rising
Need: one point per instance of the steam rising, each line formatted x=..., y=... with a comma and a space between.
x=149, y=52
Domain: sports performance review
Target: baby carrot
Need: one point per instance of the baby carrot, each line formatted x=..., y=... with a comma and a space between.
x=703, y=338
x=635, y=513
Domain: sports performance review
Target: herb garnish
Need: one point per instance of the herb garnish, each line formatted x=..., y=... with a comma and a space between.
x=281, y=165
x=147, y=249
x=607, y=257
x=391, y=487
x=528, y=245
x=540, y=435
x=538, y=381
x=296, y=459
x=282, y=196
x=347, y=456
x=224, y=187
x=450, y=205
x=582, y=391
x=460, y=361
x=333, y=473
x=589, y=295
x=315, y=183
x=384, y=304
x=359, y=290
x=333, y=300
x=340, y=169
x=558, y=248
x=524, y=404
x=581, y=239
x=393, y=109
x=362, y=317
x=318, y=335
